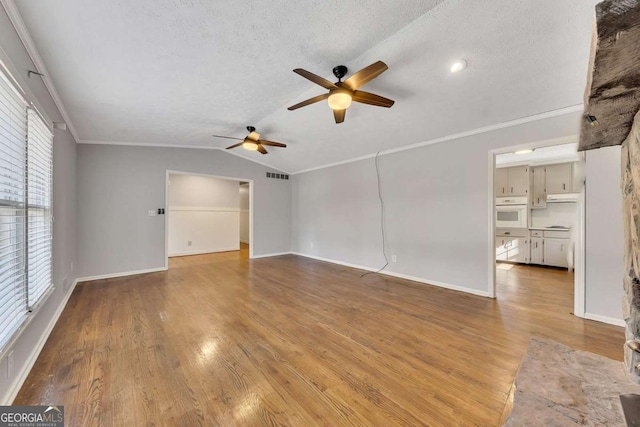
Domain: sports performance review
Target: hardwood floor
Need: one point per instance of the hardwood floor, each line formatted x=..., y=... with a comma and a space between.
x=222, y=340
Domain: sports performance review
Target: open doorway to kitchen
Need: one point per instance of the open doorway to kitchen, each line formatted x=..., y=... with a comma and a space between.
x=206, y=215
x=537, y=225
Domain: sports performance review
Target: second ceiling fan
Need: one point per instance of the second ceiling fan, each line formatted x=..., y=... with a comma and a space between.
x=342, y=93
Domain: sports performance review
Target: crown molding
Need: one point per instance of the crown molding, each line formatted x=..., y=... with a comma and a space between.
x=20, y=27
x=477, y=131
x=196, y=147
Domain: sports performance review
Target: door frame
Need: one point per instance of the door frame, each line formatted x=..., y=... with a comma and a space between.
x=579, y=251
x=166, y=203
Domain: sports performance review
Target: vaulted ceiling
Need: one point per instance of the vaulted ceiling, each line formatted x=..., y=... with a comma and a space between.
x=171, y=72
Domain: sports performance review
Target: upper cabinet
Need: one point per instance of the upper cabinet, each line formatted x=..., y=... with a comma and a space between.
x=512, y=181
x=559, y=178
x=539, y=190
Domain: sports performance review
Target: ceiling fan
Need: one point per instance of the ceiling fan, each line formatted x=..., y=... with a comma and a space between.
x=252, y=142
x=342, y=93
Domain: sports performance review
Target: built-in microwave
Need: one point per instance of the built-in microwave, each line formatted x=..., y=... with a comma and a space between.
x=511, y=212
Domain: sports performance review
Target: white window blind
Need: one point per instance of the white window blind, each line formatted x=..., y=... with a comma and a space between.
x=13, y=296
x=39, y=227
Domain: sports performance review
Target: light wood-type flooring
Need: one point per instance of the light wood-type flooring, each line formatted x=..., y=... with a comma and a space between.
x=223, y=340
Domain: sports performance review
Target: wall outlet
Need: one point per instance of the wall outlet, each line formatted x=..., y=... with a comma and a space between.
x=10, y=364
x=189, y=243
x=394, y=258
x=71, y=266
x=151, y=213
x=65, y=283
x=311, y=245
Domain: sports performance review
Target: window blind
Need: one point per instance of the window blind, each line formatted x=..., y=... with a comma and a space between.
x=13, y=122
x=39, y=227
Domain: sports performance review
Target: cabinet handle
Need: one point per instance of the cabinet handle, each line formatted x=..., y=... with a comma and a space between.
x=512, y=189
x=538, y=200
x=564, y=186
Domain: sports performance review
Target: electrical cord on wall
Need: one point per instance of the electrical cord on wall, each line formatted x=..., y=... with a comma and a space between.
x=382, y=220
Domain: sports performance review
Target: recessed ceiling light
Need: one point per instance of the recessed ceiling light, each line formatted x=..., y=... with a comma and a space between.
x=525, y=151
x=459, y=65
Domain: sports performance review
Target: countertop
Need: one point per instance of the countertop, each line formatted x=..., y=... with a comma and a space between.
x=551, y=228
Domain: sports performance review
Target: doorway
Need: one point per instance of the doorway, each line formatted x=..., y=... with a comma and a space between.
x=536, y=223
x=208, y=214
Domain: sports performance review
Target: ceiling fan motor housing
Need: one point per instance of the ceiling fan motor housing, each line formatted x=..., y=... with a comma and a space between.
x=340, y=71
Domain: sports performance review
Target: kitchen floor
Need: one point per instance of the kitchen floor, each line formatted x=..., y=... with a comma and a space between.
x=544, y=286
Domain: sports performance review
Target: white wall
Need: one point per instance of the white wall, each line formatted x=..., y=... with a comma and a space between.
x=244, y=213
x=436, y=199
x=31, y=339
x=117, y=185
x=203, y=214
x=605, y=235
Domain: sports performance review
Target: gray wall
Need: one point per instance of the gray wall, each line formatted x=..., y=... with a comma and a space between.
x=203, y=191
x=64, y=211
x=117, y=185
x=436, y=200
x=605, y=235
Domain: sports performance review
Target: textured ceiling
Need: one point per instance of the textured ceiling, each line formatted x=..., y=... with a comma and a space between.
x=173, y=72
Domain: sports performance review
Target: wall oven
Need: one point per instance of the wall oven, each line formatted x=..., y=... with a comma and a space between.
x=511, y=212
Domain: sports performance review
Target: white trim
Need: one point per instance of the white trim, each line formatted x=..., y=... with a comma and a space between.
x=523, y=120
x=605, y=319
x=20, y=27
x=203, y=209
x=197, y=147
x=166, y=201
x=401, y=276
x=121, y=274
x=270, y=255
x=14, y=388
x=579, y=263
x=244, y=241
x=205, y=251
x=579, y=266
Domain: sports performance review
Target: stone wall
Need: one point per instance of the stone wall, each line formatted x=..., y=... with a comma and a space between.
x=631, y=218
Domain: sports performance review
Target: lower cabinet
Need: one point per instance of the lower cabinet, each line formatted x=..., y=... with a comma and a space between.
x=512, y=245
x=537, y=251
x=556, y=252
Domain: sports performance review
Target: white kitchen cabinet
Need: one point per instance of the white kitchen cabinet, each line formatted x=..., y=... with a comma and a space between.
x=555, y=252
x=537, y=254
x=559, y=178
x=517, y=249
x=512, y=245
x=501, y=182
x=539, y=190
x=512, y=181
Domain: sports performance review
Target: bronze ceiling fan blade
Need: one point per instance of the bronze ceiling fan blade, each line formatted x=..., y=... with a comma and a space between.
x=365, y=75
x=315, y=78
x=372, y=99
x=228, y=137
x=262, y=149
x=339, y=115
x=271, y=143
x=234, y=145
x=308, y=102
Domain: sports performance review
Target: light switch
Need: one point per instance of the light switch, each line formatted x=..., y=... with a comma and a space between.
x=152, y=213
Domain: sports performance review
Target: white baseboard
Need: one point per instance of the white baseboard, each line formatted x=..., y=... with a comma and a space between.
x=270, y=255
x=205, y=251
x=14, y=388
x=122, y=274
x=401, y=276
x=605, y=319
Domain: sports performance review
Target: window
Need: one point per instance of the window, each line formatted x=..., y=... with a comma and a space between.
x=26, y=145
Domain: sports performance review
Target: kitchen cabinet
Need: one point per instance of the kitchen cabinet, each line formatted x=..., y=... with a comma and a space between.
x=539, y=190
x=512, y=181
x=559, y=178
x=555, y=252
x=512, y=245
x=537, y=254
